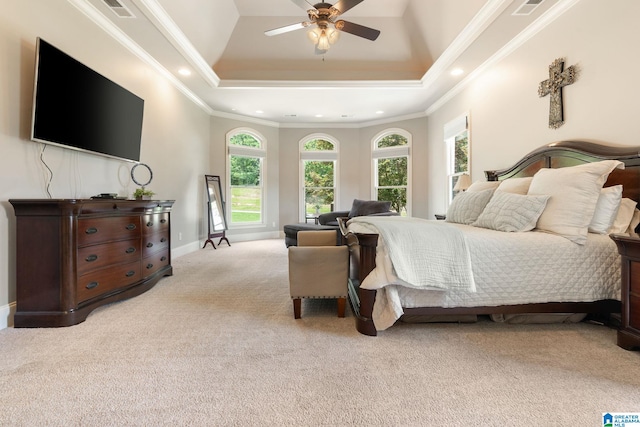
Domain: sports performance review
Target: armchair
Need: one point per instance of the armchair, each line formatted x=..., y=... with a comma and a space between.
x=318, y=269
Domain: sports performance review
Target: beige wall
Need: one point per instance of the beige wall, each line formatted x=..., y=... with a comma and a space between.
x=508, y=119
x=175, y=132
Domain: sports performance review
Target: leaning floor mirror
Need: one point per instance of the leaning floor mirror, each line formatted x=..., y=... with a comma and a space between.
x=217, y=222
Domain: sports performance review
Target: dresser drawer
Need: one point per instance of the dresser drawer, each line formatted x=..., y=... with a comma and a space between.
x=155, y=262
x=108, y=279
x=99, y=256
x=97, y=230
x=154, y=223
x=155, y=242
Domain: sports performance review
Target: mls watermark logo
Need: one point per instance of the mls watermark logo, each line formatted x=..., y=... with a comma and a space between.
x=620, y=419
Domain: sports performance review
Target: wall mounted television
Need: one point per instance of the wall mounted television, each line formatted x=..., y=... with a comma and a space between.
x=75, y=107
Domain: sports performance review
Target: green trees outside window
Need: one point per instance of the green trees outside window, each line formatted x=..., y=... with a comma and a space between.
x=319, y=178
x=245, y=178
x=391, y=163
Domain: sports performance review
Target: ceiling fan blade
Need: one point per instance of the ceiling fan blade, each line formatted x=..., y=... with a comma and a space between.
x=304, y=4
x=357, y=30
x=343, y=5
x=288, y=28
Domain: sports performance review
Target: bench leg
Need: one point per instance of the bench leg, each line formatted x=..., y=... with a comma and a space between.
x=297, y=304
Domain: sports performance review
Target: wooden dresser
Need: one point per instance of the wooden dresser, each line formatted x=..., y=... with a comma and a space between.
x=72, y=256
x=629, y=249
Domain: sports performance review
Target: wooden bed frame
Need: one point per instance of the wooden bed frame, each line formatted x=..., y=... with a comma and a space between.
x=362, y=247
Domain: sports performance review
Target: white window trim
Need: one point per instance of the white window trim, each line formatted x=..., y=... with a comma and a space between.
x=317, y=155
x=260, y=153
x=387, y=152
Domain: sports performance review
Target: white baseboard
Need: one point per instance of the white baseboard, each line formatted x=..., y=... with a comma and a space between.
x=6, y=315
x=254, y=236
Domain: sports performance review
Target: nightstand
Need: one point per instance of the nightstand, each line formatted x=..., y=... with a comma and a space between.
x=629, y=249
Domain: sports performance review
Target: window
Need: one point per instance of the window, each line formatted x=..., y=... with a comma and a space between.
x=456, y=136
x=246, y=177
x=318, y=166
x=392, y=169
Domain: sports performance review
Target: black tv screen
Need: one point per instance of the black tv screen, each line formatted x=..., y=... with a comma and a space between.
x=78, y=108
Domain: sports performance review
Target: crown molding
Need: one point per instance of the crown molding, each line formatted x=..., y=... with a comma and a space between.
x=487, y=14
x=167, y=26
x=110, y=28
x=525, y=35
x=313, y=84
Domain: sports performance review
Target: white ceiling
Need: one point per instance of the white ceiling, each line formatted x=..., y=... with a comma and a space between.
x=237, y=70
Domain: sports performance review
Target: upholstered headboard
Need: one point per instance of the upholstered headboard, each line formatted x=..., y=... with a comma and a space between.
x=572, y=153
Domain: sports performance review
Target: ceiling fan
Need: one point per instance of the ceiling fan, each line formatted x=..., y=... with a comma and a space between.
x=327, y=28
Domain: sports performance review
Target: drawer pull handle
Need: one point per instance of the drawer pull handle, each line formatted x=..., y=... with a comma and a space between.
x=149, y=244
x=164, y=239
x=92, y=285
x=91, y=230
x=131, y=227
x=130, y=250
x=164, y=258
x=149, y=266
x=162, y=221
x=91, y=258
x=130, y=273
x=150, y=224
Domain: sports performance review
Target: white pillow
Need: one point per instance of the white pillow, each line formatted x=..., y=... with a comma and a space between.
x=624, y=216
x=635, y=221
x=515, y=185
x=606, y=209
x=574, y=193
x=511, y=212
x=483, y=185
x=467, y=206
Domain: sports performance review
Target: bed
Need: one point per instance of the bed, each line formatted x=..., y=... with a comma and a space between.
x=531, y=272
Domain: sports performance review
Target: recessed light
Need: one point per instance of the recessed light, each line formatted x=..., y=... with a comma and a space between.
x=259, y=112
x=379, y=112
x=318, y=115
x=184, y=72
x=457, y=71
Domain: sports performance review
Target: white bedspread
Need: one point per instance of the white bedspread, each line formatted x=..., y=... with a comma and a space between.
x=508, y=268
x=439, y=255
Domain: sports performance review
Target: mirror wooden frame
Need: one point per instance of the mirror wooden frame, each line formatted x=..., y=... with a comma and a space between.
x=216, y=218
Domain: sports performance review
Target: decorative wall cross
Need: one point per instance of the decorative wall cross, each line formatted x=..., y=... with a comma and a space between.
x=558, y=78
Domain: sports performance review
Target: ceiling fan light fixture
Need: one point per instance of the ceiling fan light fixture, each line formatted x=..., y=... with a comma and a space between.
x=323, y=38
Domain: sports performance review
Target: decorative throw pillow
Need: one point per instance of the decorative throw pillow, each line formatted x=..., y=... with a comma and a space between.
x=467, y=206
x=368, y=207
x=606, y=209
x=574, y=192
x=515, y=185
x=483, y=185
x=624, y=216
x=635, y=221
x=511, y=212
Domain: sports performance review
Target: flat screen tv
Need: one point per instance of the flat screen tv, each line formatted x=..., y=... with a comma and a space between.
x=78, y=108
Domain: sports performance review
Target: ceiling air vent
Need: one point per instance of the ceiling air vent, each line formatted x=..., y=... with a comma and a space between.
x=119, y=9
x=527, y=7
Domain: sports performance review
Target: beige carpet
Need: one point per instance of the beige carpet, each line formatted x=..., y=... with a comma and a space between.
x=217, y=345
